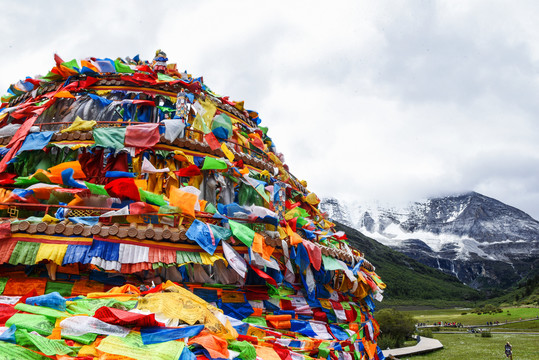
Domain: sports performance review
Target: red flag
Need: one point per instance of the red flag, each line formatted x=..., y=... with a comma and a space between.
x=140, y=207
x=124, y=318
x=142, y=135
x=6, y=311
x=123, y=188
x=16, y=142
x=5, y=230
x=315, y=254
x=7, y=178
x=212, y=141
x=58, y=59
x=191, y=170
x=263, y=275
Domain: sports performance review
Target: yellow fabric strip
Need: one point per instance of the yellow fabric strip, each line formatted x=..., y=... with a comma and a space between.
x=50, y=239
x=134, y=88
x=208, y=259
x=132, y=347
x=51, y=252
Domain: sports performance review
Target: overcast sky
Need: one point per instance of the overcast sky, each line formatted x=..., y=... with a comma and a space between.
x=381, y=101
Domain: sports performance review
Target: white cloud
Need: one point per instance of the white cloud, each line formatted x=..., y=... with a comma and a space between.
x=389, y=101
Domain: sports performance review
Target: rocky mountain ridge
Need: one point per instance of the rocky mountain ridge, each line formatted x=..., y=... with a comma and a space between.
x=480, y=240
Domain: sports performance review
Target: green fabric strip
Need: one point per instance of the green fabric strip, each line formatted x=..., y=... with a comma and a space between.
x=12, y=351
x=247, y=351
x=151, y=198
x=41, y=310
x=122, y=68
x=163, y=77
x=85, y=339
x=110, y=137
x=213, y=164
x=220, y=232
x=323, y=350
x=40, y=343
x=38, y=323
x=89, y=306
x=3, y=282
x=96, y=189
x=24, y=253
x=255, y=320
x=24, y=181
x=72, y=64
x=63, y=288
x=331, y=264
x=242, y=232
x=184, y=257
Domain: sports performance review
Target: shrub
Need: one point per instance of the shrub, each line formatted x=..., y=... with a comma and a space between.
x=425, y=332
x=387, y=341
x=486, y=334
x=464, y=313
x=397, y=326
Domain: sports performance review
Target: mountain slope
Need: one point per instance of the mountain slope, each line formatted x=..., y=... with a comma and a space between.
x=405, y=277
x=482, y=241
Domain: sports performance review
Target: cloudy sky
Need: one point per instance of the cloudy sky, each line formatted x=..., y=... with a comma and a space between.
x=381, y=101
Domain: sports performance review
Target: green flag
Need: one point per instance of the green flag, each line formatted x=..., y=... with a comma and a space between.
x=14, y=351
x=242, y=232
x=39, y=323
x=213, y=164
x=73, y=65
x=46, y=346
x=121, y=67
x=110, y=137
x=96, y=189
x=163, y=77
x=151, y=198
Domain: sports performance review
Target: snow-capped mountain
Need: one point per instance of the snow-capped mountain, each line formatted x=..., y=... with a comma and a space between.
x=482, y=241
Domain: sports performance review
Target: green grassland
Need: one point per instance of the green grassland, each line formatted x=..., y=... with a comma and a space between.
x=471, y=346
x=524, y=326
x=458, y=316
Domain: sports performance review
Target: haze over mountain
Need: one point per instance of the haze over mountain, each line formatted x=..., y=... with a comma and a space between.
x=406, y=278
x=480, y=240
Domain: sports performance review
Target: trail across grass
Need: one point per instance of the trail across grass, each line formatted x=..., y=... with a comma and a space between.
x=471, y=346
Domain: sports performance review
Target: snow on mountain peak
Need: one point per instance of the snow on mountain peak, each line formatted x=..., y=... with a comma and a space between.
x=449, y=231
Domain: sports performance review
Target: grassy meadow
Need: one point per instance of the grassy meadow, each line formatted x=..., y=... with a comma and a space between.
x=465, y=345
x=532, y=326
x=472, y=346
x=465, y=317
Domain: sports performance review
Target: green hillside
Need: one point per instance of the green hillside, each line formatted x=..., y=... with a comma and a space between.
x=525, y=293
x=408, y=281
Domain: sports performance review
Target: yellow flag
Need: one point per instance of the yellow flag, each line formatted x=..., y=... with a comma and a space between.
x=81, y=125
x=229, y=155
x=49, y=219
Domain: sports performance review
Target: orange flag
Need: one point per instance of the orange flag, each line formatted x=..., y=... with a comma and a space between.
x=64, y=94
x=294, y=237
x=56, y=171
x=184, y=200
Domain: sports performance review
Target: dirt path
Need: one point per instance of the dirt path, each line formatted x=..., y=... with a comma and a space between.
x=424, y=344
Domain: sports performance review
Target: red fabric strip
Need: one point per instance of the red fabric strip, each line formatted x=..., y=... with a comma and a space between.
x=125, y=318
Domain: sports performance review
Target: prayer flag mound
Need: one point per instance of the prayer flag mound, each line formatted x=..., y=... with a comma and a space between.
x=144, y=216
